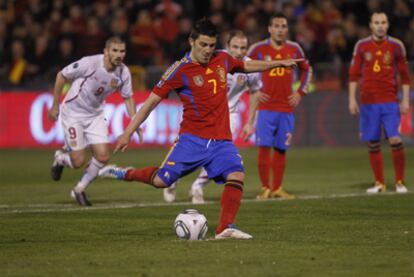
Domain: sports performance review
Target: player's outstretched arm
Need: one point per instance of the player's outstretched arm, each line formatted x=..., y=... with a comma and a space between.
x=353, y=104
x=53, y=112
x=257, y=65
x=255, y=98
x=131, y=108
x=142, y=114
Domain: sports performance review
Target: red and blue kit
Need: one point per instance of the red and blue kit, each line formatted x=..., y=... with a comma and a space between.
x=376, y=64
x=275, y=120
x=278, y=81
x=203, y=92
x=205, y=137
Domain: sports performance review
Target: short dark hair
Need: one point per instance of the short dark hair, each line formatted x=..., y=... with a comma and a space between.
x=235, y=33
x=114, y=39
x=276, y=15
x=203, y=27
x=378, y=12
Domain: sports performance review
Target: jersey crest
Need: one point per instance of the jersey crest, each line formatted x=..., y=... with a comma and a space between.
x=241, y=79
x=387, y=58
x=114, y=83
x=221, y=73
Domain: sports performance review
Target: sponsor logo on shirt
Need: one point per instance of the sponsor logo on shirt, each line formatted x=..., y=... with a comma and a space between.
x=198, y=80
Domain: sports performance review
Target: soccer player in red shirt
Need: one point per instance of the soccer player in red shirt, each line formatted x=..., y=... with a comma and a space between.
x=205, y=138
x=376, y=60
x=275, y=122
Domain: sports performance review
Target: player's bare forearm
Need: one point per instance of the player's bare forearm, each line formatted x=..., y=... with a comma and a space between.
x=257, y=65
x=130, y=105
x=57, y=90
x=254, y=103
x=405, y=102
x=142, y=114
x=353, y=104
x=53, y=112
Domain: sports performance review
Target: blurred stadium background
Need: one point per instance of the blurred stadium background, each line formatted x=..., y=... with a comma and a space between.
x=38, y=38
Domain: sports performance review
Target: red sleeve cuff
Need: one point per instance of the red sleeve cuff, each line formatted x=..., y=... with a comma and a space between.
x=301, y=93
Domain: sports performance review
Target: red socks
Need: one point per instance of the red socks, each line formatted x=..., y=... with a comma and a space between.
x=398, y=160
x=230, y=203
x=145, y=175
x=263, y=162
x=278, y=167
x=377, y=163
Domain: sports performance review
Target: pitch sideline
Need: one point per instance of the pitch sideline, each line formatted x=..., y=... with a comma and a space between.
x=47, y=208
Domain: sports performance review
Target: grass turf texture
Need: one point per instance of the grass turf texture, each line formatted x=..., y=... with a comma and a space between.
x=44, y=233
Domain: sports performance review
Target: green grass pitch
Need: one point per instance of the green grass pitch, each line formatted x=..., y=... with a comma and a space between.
x=332, y=229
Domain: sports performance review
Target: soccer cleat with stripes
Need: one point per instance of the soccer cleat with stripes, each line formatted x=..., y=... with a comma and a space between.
x=400, y=188
x=113, y=172
x=280, y=193
x=80, y=198
x=57, y=169
x=264, y=193
x=378, y=187
x=232, y=233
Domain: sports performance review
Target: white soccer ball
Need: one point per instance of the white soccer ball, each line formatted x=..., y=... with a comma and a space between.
x=190, y=225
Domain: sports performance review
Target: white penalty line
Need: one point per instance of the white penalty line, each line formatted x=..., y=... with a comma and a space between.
x=50, y=208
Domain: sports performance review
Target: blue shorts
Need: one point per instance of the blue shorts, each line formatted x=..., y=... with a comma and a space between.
x=218, y=157
x=274, y=129
x=377, y=117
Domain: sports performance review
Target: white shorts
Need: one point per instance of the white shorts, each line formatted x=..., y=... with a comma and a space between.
x=81, y=132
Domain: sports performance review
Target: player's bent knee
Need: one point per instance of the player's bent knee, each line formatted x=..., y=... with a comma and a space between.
x=394, y=140
x=78, y=162
x=374, y=146
x=236, y=176
x=158, y=182
x=103, y=158
x=77, y=158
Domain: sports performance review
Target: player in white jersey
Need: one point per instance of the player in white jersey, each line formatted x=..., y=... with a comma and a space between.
x=82, y=111
x=236, y=84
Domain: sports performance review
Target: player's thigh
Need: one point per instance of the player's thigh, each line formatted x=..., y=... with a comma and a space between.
x=96, y=131
x=370, y=122
x=224, y=159
x=101, y=152
x=391, y=120
x=266, y=128
x=186, y=155
x=74, y=133
x=284, y=133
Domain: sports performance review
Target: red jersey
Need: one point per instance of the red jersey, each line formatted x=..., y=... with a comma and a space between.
x=203, y=92
x=378, y=62
x=278, y=81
